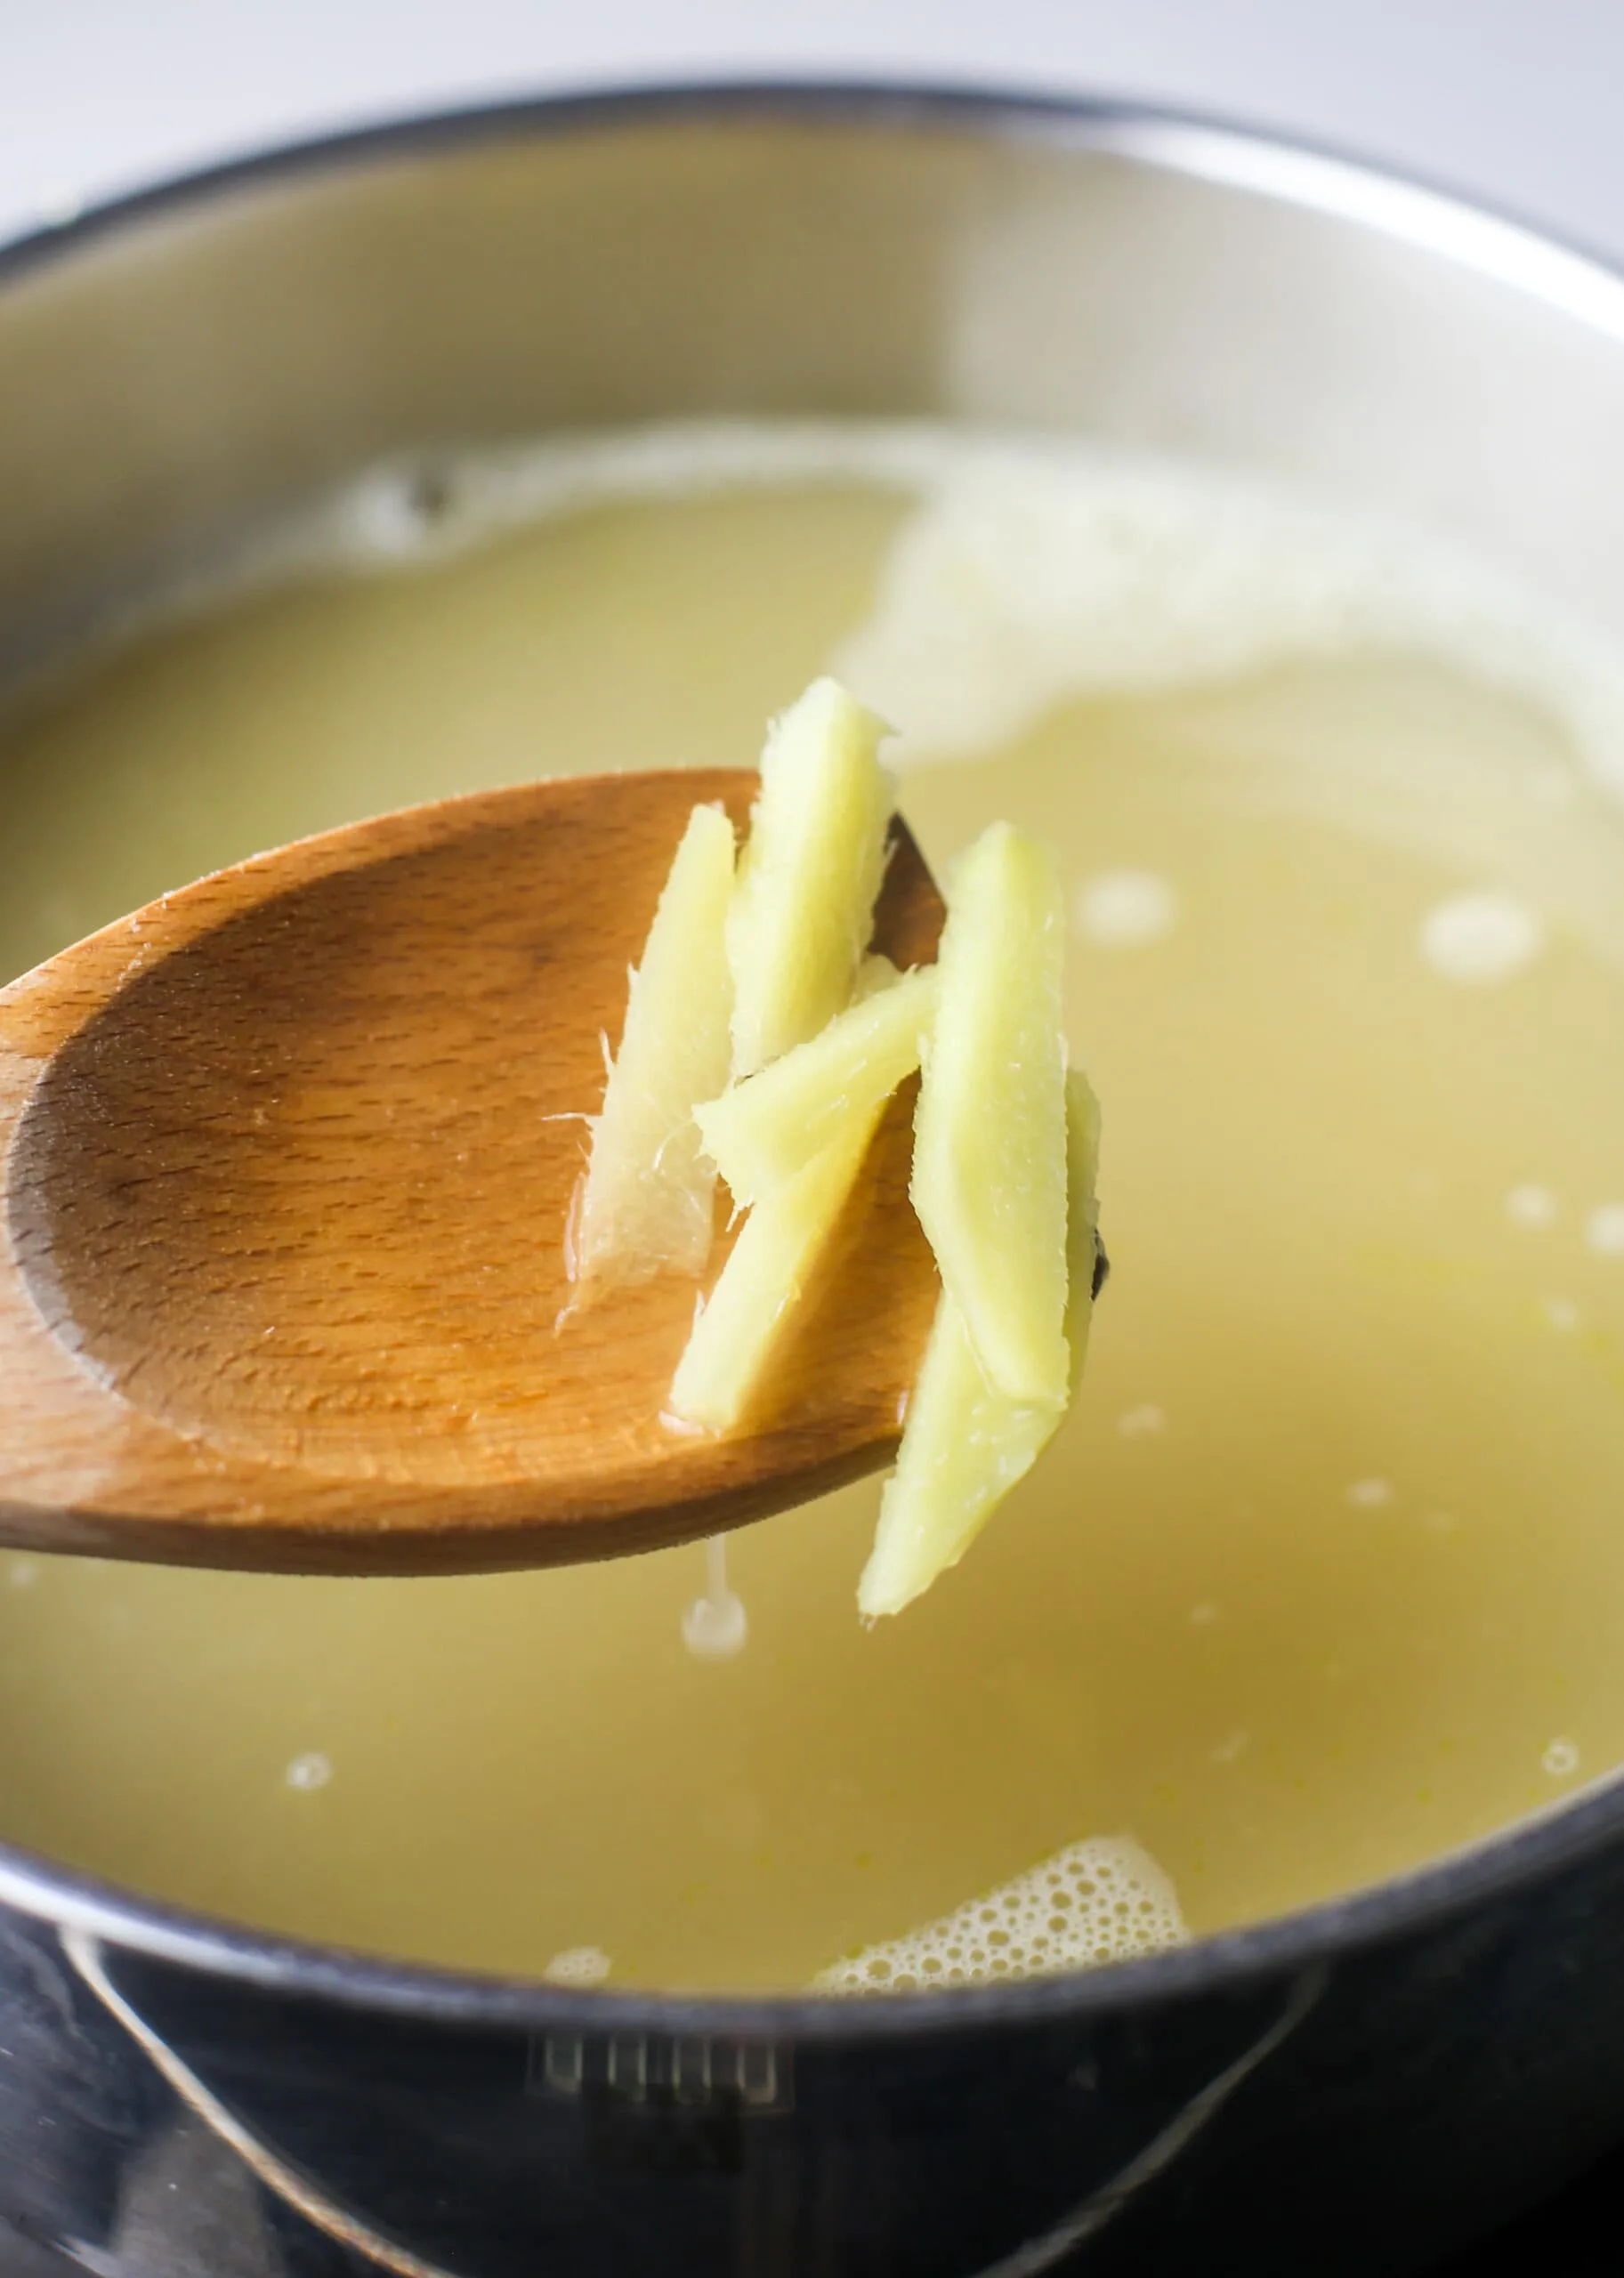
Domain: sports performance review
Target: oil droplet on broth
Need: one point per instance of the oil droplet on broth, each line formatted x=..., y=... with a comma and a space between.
x=1370, y=1494
x=1478, y=939
x=1125, y=909
x=1604, y=1230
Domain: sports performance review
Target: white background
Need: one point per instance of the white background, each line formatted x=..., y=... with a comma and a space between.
x=1520, y=101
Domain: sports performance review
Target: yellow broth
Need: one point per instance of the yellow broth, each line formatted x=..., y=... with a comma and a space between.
x=1325, y=1575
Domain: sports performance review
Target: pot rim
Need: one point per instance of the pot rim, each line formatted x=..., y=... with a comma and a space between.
x=1526, y=259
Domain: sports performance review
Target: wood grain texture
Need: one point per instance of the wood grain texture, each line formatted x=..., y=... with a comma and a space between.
x=288, y=1160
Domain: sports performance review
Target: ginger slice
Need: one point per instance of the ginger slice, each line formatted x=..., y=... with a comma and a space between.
x=966, y=1444
x=762, y=971
x=762, y=1132
x=803, y=908
x=646, y=1202
x=738, y=1330
x=989, y=1144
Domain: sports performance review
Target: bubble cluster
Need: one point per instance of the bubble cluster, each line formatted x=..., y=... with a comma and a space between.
x=310, y=1771
x=578, y=1966
x=1105, y=1900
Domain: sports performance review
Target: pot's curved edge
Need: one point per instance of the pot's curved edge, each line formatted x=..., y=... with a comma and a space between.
x=1518, y=250
x=1525, y=258
x=1224, y=1961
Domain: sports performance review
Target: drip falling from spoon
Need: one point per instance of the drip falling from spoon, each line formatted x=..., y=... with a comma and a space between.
x=715, y=1626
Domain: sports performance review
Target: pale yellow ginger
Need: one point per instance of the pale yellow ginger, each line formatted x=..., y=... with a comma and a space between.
x=875, y=973
x=646, y=1203
x=737, y=1332
x=989, y=1144
x=803, y=908
x=762, y=1131
x=965, y=1444
x=756, y=1000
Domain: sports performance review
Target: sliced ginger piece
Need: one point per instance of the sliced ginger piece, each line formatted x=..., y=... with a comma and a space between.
x=737, y=1331
x=964, y=1447
x=965, y=1444
x=762, y=1132
x=990, y=1146
x=875, y=973
x=646, y=1203
x=803, y=908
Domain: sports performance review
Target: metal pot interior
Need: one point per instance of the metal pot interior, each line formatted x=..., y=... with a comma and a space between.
x=176, y=371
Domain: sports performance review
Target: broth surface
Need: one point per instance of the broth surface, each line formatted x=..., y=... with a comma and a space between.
x=1326, y=1573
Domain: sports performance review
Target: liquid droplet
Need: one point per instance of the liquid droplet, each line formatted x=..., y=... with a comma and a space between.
x=1370, y=1494
x=715, y=1626
x=1480, y=938
x=1127, y=910
x=1604, y=1230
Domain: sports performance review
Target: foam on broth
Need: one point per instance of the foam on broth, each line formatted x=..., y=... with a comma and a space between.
x=1326, y=1573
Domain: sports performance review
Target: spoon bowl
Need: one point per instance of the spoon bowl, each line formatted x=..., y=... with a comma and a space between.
x=288, y=1158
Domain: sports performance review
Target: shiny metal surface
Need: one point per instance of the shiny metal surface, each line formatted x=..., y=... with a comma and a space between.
x=1355, y=2089
x=181, y=366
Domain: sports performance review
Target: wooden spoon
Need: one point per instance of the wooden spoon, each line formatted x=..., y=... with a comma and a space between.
x=288, y=1160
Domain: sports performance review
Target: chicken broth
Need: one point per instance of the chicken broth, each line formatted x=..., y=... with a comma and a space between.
x=1324, y=1575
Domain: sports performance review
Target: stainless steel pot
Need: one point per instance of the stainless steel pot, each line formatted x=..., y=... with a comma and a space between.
x=1351, y=2089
